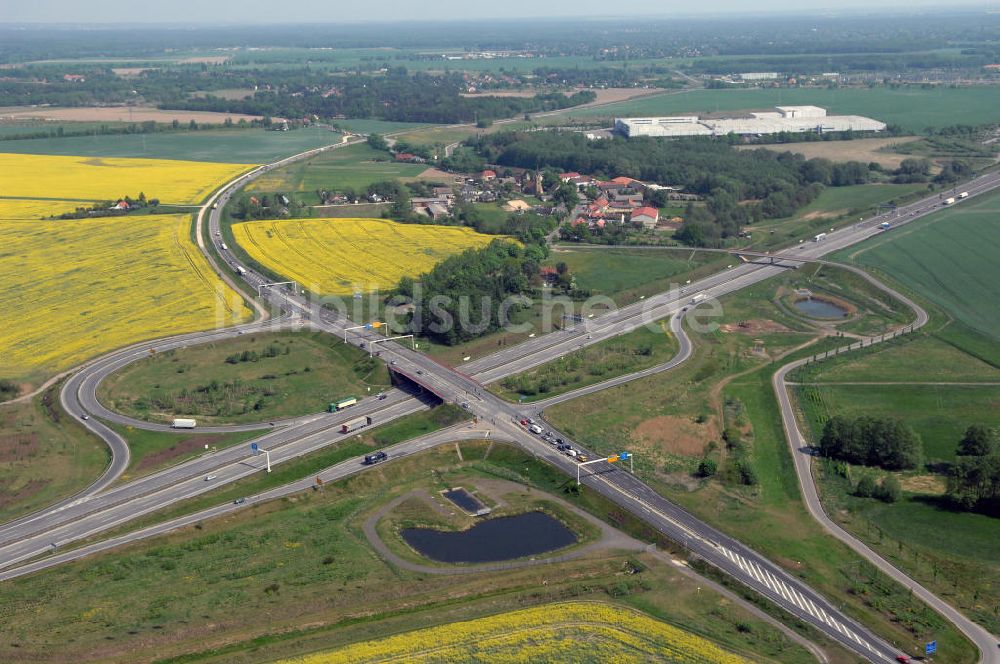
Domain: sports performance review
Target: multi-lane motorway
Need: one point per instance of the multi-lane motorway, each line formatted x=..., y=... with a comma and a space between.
x=100, y=509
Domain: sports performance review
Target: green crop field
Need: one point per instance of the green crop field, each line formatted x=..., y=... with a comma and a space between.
x=626, y=274
x=914, y=109
x=353, y=166
x=379, y=126
x=247, y=379
x=237, y=146
x=939, y=413
x=950, y=258
x=911, y=358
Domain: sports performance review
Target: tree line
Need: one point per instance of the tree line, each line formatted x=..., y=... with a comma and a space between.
x=397, y=96
x=884, y=442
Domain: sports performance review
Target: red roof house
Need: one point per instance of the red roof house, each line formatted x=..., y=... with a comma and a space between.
x=647, y=216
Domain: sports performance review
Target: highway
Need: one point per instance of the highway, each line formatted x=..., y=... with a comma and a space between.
x=96, y=512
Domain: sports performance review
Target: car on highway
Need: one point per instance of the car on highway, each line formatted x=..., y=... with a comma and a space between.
x=524, y=423
x=85, y=417
x=209, y=478
x=382, y=396
x=582, y=457
x=239, y=501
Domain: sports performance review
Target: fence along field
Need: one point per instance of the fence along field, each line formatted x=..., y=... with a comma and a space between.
x=336, y=256
x=97, y=178
x=568, y=632
x=71, y=290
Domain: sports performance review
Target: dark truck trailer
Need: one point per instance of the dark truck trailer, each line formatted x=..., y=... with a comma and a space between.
x=371, y=459
x=354, y=425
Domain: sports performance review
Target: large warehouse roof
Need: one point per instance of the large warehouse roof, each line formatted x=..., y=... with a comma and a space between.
x=792, y=119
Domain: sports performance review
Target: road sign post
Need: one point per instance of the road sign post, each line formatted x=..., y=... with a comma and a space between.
x=614, y=458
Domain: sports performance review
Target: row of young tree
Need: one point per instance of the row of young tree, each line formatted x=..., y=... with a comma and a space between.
x=778, y=183
x=870, y=441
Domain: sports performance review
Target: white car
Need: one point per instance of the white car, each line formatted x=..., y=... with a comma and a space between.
x=209, y=478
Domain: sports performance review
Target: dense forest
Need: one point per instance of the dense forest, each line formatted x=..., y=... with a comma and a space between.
x=461, y=297
x=397, y=96
x=775, y=184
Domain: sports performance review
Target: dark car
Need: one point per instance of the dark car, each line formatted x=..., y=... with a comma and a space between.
x=375, y=458
x=239, y=501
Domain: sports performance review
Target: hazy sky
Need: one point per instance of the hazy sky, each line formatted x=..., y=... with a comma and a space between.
x=269, y=11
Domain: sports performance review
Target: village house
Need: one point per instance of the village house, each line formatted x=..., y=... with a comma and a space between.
x=647, y=216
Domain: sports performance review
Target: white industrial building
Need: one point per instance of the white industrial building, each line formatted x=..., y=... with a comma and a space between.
x=791, y=119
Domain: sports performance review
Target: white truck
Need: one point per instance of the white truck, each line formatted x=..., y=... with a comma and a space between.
x=183, y=423
x=224, y=247
x=354, y=425
x=819, y=237
x=240, y=270
x=964, y=194
x=884, y=225
x=535, y=429
x=700, y=297
x=949, y=201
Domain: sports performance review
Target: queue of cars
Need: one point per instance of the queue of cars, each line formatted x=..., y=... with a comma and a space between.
x=551, y=438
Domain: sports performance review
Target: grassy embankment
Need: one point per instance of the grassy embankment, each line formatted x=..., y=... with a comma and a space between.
x=252, y=378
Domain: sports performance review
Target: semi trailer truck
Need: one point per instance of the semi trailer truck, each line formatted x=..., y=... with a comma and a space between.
x=354, y=425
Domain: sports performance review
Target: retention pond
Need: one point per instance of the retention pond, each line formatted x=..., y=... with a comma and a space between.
x=493, y=540
x=815, y=308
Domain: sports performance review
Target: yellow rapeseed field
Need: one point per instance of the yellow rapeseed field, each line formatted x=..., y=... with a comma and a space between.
x=70, y=290
x=565, y=632
x=105, y=178
x=28, y=209
x=342, y=256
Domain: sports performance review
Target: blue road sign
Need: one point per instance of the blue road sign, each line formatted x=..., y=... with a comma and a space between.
x=368, y=326
x=253, y=447
x=930, y=648
x=624, y=455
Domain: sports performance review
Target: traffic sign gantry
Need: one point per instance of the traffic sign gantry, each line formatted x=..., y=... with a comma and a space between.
x=621, y=456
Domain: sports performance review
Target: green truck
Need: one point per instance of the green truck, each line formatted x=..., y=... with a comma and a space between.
x=342, y=404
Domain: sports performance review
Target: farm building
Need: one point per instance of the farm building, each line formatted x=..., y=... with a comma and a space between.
x=647, y=216
x=792, y=119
